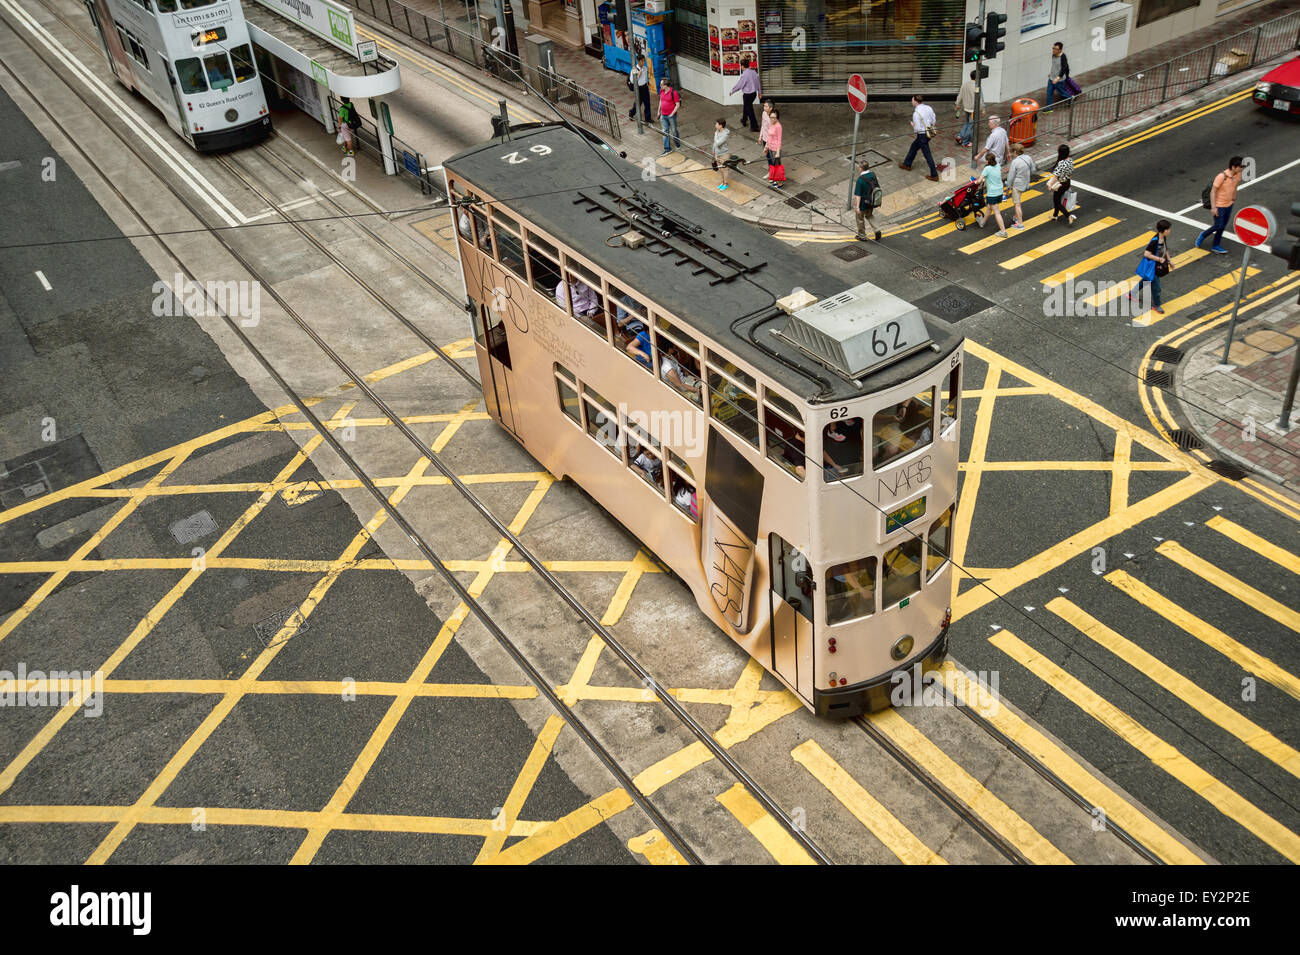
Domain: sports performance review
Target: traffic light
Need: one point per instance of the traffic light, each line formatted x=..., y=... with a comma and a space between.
x=994, y=31
x=974, y=41
x=983, y=71
x=1290, y=250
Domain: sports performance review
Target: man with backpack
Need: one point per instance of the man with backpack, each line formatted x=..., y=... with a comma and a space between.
x=867, y=195
x=1222, y=196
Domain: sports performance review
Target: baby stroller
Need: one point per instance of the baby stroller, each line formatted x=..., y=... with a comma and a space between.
x=966, y=200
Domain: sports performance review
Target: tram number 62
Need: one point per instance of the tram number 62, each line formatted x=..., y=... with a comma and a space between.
x=881, y=346
x=514, y=159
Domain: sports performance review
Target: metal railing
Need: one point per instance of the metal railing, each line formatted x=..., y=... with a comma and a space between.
x=409, y=163
x=582, y=104
x=1123, y=96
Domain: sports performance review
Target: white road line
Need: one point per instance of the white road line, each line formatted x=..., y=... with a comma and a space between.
x=1161, y=213
x=1246, y=185
x=45, y=283
x=218, y=202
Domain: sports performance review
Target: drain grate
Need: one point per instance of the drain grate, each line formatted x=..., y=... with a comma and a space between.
x=1170, y=356
x=1227, y=469
x=926, y=273
x=1185, y=440
x=1160, y=379
x=800, y=199
x=851, y=253
x=953, y=303
x=770, y=229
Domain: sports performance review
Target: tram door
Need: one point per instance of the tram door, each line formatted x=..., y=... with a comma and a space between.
x=93, y=9
x=791, y=594
x=493, y=349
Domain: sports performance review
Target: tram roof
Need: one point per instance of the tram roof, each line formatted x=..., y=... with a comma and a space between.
x=543, y=190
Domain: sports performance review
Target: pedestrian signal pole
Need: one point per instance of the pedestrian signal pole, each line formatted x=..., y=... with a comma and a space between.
x=1291, y=252
x=975, y=56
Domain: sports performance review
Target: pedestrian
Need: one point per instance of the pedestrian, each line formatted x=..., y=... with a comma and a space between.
x=748, y=87
x=638, y=80
x=1059, y=183
x=1057, y=75
x=669, y=101
x=775, y=167
x=997, y=141
x=866, y=192
x=966, y=109
x=991, y=175
x=1154, y=265
x=762, y=133
x=721, y=153
x=923, y=125
x=1019, y=175
x=348, y=122
x=1223, y=194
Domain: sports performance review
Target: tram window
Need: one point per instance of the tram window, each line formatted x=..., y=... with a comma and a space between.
x=138, y=52
x=938, y=543
x=785, y=443
x=732, y=405
x=679, y=369
x=166, y=6
x=218, y=67
x=643, y=457
x=481, y=228
x=901, y=572
x=587, y=300
x=683, y=493
x=951, y=396
x=791, y=578
x=510, y=249
x=902, y=428
x=545, y=272
x=242, y=57
x=851, y=590
x=629, y=322
x=726, y=364
x=480, y=327
x=683, y=338
x=194, y=4
x=680, y=465
x=602, y=421
x=568, y=400
x=842, y=449
x=786, y=407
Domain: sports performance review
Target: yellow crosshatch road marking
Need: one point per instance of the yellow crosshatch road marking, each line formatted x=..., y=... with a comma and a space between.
x=1211, y=636
x=979, y=245
x=1265, y=548
x=1161, y=754
x=1047, y=248
x=1195, y=297
x=779, y=844
x=882, y=823
x=656, y=848
x=1220, y=578
x=1101, y=258
x=1205, y=703
x=1111, y=292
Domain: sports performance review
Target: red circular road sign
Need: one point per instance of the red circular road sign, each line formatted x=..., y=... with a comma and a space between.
x=857, y=89
x=1254, y=225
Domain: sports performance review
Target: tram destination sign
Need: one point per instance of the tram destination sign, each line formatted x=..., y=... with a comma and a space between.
x=330, y=21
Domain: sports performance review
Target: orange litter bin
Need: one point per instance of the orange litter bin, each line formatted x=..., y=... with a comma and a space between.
x=1024, y=121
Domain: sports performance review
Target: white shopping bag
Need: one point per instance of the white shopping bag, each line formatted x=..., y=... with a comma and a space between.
x=1071, y=200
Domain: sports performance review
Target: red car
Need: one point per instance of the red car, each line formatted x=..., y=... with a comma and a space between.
x=1279, y=89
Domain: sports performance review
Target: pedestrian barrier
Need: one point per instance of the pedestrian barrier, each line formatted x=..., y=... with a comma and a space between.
x=1123, y=96
x=409, y=163
x=582, y=104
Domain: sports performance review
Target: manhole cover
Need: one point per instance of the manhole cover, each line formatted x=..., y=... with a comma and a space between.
x=800, y=199
x=1185, y=440
x=952, y=303
x=1170, y=356
x=851, y=253
x=926, y=273
x=1159, y=379
x=268, y=627
x=193, y=527
x=1227, y=469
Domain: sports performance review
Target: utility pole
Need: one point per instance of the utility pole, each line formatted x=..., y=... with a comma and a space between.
x=975, y=58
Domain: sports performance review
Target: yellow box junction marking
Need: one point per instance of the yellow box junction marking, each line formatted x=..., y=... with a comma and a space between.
x=1252, y=541
x=1229, y=584
x=656, y=848
x=779, y=844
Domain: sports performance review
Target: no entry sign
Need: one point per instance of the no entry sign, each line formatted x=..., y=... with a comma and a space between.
x=1254, y=225
x=857, y=90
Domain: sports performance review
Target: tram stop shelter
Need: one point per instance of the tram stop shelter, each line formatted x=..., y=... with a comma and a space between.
x=311, y=53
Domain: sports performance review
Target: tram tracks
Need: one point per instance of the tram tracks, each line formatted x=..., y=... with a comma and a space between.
x=303, y=405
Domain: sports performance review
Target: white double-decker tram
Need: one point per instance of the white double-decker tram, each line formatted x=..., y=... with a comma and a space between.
x=788, y=447
x=193, y=61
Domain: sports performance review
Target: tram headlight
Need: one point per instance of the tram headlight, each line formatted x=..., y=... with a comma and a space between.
x=902, y=647
x=232, y=115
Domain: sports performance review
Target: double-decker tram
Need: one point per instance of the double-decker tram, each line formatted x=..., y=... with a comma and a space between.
x=192, y=59
x=787, y=446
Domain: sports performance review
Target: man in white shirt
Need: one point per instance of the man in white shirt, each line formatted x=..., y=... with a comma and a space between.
x=922, y=122
x=639, y=77
x=997, y=141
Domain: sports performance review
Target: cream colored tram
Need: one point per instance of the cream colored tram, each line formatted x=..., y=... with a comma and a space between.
x=787, y=446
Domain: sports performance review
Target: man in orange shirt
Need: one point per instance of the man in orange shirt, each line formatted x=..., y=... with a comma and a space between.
x=1222, y=196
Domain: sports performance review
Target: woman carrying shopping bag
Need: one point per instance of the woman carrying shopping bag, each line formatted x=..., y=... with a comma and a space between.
x=775, y=168
x=1059, y=183
x=1153, y=266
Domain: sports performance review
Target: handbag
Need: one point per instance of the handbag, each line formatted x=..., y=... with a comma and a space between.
x=778, y=173
x=1146, y=269
x=1053, y=183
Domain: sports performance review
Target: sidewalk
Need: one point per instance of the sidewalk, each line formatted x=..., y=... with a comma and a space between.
x=1236, y=407
x=818, y=136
